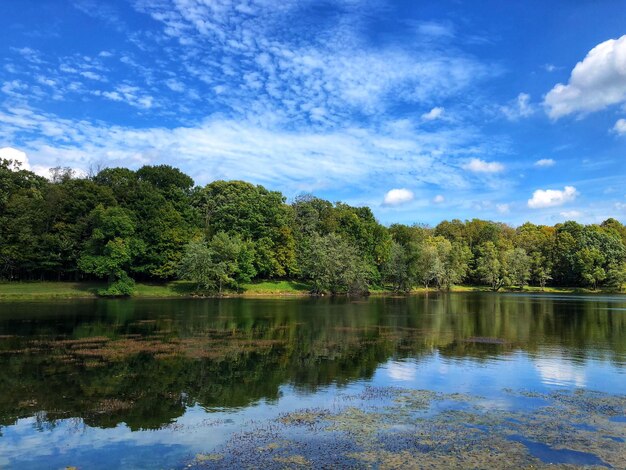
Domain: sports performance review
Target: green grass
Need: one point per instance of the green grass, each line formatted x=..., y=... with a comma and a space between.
x=73, y=290
x=169, y=289
x=49, y=290
x=276, y=288
x=526, y=289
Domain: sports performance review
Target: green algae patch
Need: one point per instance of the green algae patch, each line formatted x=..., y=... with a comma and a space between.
x=208, y=457
x=392, y=428
x=296, y=460
x=304, y=417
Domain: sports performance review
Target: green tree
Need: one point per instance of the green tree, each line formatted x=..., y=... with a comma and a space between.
x=490, y=267
x=517, y=264
x=110, y=249
x=540, y=269
x=225, y=262
x=333, y=265
x=398, y=270
x=590, y=264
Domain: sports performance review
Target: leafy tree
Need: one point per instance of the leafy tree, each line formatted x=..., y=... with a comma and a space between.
x=490, y=267
x=333, y=265
x=540, y=269
x=518, y=265
x=224, y=262
x=616, y=276
x=398, y=269
x=253, y=213
x=110, y=249
x=590, y=262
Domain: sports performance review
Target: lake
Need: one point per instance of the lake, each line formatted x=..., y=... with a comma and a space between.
x=439, y=380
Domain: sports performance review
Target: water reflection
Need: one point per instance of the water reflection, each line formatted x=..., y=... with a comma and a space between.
x=133, y=365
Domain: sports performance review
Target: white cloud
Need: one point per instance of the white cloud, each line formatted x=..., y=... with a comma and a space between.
x=438, y=199
x=335, y=72
x=23, y=163
x=556, y=370
x=503, y=208
x=620, y=127
x=16, y=156
x=596, y=82
x=401, y=371
x=545, y=162
x=518, y=108
x=433, y=114
x=396, y=197
x=571, y=215
x=175, y=85
x=552, y=197
x=292, y=160
x=477, y=165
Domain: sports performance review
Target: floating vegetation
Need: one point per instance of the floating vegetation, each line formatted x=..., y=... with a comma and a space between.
x=208, y=457
x=425, y=429
x=485, y=340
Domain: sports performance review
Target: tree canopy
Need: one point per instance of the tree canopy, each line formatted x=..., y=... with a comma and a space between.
x=154, y=224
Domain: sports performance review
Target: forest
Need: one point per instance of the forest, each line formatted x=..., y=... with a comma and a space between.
x=155, y=224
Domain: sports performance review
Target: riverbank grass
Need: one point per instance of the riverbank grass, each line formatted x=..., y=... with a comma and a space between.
x=74, y=290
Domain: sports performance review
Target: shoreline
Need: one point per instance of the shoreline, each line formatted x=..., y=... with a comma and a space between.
x=48, y=290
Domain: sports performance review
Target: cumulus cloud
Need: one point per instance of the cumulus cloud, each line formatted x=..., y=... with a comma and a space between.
x=596, y=82
x=620, y=127
x=545, y=162
x=20, y=161
x=438, y=199
x=396, y=197
x=552, y=197
x=477, y=165
x=19, y=158
x=433, y=114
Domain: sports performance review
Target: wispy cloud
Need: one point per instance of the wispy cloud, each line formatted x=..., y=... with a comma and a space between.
x=233, y=149
x=518, y=108
x=435, y=113
x=477, y=165
x=620, y=127
x=545, y=162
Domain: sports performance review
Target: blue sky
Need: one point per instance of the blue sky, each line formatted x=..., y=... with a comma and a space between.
x=424, y=111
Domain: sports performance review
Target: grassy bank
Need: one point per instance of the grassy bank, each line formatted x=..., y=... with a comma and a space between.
x=76, y=290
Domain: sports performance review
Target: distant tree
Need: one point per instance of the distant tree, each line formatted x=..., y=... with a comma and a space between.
x=397, y=271
x=590, y=262
x=490, y=267
x=616, y=276
x=332, y=265
x=165, y=177
x=225, y=262
x=540, y=269
x=111, y=249
x=517, y=264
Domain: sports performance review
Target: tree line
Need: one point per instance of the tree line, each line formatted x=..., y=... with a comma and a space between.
x=154, y=224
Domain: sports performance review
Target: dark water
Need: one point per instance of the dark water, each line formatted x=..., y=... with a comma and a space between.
x=168, y=383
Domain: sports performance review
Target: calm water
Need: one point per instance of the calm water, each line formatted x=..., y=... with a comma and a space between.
x=171, y=383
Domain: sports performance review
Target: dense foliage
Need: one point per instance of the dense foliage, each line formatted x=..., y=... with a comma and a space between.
x=153, y=224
